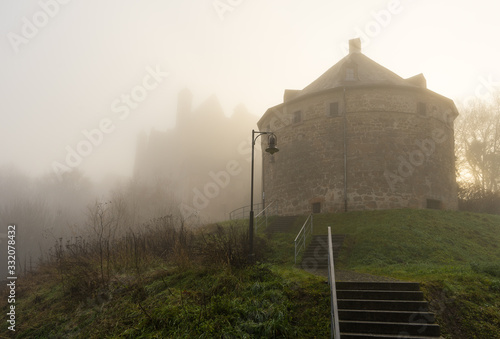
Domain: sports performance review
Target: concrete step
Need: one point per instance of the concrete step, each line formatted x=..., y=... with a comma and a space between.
x=382, y=336
x=321, y=240
x=371, y=327
x=385, y=305
x=384, y=310
x=390, y=316
x=380, y=295
x=316, y=254
x=321, y=251
x=378, y=286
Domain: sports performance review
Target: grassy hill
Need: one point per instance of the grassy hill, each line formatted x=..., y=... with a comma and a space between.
x=455, y=255
x=416, y=236
x=202, y=288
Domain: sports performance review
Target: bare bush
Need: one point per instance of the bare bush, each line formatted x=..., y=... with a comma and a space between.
x=76, y=267
x=476, y=199
x=227, y=246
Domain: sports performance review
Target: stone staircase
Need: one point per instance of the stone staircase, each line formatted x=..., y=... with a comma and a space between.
x=384, y=310
x=281, y=224
x=316, y=254
x=373, y=309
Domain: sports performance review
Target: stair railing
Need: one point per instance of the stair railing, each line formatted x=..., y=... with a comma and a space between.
x=335, y=331
x=304, y=234
x=261, y=218
x=244, y=212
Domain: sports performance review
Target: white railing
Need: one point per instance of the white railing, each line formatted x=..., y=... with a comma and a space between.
x=335, y=331
x=304, y=233
x=261, y=218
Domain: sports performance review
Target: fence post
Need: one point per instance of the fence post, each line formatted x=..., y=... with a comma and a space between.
x=295, y=252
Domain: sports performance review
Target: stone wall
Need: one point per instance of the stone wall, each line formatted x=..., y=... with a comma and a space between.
x=397, y=156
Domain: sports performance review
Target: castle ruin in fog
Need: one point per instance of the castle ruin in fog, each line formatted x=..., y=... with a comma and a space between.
x=361, y=137
x=204, y=162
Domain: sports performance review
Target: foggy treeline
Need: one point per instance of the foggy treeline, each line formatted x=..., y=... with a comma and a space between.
x=196, y=172
x=41, y=208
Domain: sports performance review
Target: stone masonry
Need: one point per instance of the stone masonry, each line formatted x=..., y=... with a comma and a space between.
x=361, y=137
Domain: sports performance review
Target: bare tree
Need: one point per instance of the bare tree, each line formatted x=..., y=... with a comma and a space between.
x=477, y=135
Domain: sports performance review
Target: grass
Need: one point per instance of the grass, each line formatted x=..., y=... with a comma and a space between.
x=455, y=256
x=379, y=238
x=259, y=301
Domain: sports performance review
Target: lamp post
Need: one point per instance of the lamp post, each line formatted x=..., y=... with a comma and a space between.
x=271, y=148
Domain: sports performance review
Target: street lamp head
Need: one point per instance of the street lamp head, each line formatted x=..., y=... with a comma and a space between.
x=272, y=141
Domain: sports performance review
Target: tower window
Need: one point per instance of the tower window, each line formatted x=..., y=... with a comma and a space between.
x=334, y=109
x=349, y=74
x=297, y=117
x=434, y=204
x=316, y=207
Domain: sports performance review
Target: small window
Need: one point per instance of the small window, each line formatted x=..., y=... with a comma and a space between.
x=297, y=117
x=316, y=207
x=334, y=109
x=422, y=108
x=434, y=204
x=349, y=74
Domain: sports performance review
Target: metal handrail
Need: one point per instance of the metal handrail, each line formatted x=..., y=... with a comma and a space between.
x=335, y=331
x=244, y=212
x=263, y=216
x=304, y=236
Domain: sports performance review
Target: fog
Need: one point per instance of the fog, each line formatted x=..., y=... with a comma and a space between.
x=90, y=93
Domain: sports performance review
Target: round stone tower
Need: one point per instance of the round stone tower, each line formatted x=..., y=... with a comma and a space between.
x=361, y=137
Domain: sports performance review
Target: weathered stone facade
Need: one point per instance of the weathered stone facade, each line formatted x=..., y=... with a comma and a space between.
x=360, y=137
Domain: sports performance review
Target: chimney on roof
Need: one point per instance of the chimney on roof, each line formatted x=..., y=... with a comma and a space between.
x=355, y=45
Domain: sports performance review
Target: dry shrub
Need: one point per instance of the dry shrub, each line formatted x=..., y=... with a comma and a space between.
x=76, y=263
x=475, y=199
x=226, y=246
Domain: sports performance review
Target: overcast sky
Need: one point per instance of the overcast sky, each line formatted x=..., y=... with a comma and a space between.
x=69, y=66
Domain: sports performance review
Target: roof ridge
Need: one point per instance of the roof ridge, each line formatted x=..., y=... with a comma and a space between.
x=352, y=70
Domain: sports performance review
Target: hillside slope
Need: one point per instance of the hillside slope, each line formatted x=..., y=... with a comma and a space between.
x=456, y=256
x=208, y=293
x=415, y=236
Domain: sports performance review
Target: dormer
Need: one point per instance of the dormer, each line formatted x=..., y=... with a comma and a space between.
x=350, y=71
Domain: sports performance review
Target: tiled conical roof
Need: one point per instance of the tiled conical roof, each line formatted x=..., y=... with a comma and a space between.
x=356, y=69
